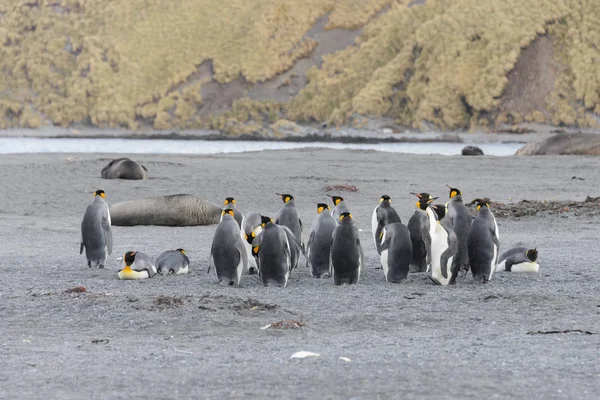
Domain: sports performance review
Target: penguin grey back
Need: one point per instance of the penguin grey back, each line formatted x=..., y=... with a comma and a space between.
x=396, y=251
x=290, y=217
x=251, y=221
x=96, y=232
x=519, y=256
x=383, y=215
x=143, y=262
x=418, y=226
x=124, y=168
x=346, y=252
x=171, y=262
x=228, y=252
x=274, y=255
x=483, y=244
x=319, y=244
x=339, y=208
x=173, y=210
x=461, y=220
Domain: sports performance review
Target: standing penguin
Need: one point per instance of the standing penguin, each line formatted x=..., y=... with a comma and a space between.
x=484, y=243
x=460, y=220
x=251, y=227
x=396, y=252
x=228, y=251
x=518, y=259
x=383, y=214
x=273, y=251
x=444, y=245
x=319, y=242
x=231, y=204
x=346, y=252
x=289, y=216
x=96, y=233
x=418, y=226
x=173, y=262
x=339, y=207
x=264, y=220
x=137, y=266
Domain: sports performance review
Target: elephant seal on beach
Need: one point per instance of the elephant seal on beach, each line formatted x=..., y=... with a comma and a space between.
x=585, y=144
x=124, y=168
x=173, y=210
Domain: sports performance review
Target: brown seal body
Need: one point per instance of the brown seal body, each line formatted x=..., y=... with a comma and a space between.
x=173, y=210
x=124, y=168
x=586, y=144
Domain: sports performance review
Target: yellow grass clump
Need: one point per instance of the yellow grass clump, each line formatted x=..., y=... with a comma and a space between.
x=136, y=63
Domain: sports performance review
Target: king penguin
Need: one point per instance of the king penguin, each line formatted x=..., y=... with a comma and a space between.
x=289, y=216
x=418, y=226
x=173, y=262
x=137, y=266
x=96, y=233
x=383, y=214
x=518, y=259
x=339, y=207
x=227, y=251
x=319, y=242
x=273, y=251
x=444, y=245
x=251, y=227
x=346, y=252
x=460, y=220
x=264, y=220
x=231, y=204
x=396, y=252
x=484, y=243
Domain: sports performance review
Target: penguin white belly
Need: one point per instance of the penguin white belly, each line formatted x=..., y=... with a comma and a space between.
x=501, y=266
x=183, y=270
x=130, y=274
x=374, y=224
x=439, y=244
x=384, y=263
x=493, y=262
x=525, y=267
x=239, y=270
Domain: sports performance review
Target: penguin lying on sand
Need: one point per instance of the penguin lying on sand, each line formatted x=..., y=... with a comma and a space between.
x=518, y=259
x=137, y=266
x=173, y=262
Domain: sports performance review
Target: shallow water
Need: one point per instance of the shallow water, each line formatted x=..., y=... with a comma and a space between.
x=163, y=146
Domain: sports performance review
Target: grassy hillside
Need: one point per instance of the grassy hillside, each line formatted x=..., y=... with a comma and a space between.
x=152, y=63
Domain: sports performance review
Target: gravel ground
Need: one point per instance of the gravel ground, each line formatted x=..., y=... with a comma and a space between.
x=187, y=337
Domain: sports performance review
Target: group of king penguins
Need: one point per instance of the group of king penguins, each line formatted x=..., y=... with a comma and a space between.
x=442, y=240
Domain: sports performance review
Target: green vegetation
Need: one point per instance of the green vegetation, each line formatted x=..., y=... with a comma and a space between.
x=134, y=63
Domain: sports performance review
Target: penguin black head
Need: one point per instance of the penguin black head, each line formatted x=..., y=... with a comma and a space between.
x=481, y=203
x=321, y=207
x=264, y=220
x=285, y=197
x=227, y=211
x=229, y=200
x=531, y=254
x=181, y=250
x=424, y=201
x=454, y=191
x=346, y=216
x=100, y=193
x=385, y=197
x=440, y=211
x=129, y=258
x=336, y=199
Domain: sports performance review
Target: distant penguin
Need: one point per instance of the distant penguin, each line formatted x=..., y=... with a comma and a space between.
x=274, y=254
x=339, y=207
x=484, y=243
x=383, y=215
x=460, y=219
x=444, y=245
x=231, y=204
x=251, y=227
x=518, y=259
x=173, y=262
x=96, y=232
x=137, y=266
x=124, y=168
x=318, y=248
x=289, y=216
x=346, y=252
x=396, y=251
x=418, y=226
x=227, y=251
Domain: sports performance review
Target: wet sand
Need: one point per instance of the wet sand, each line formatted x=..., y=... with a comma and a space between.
x=185, y=336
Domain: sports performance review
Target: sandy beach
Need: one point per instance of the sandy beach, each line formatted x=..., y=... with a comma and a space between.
x=185, y=336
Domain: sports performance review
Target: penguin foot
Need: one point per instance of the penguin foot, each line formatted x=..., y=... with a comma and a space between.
x=433, y=280
x=89, y=264
x=101, y=266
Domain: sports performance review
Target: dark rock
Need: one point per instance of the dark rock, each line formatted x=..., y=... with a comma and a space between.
x=472, y=151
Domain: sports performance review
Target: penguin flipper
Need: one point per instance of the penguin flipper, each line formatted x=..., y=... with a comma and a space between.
x=81, y=248
x=107, y=232
x=311, y=239
x=243, y=253
x=210, y=257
